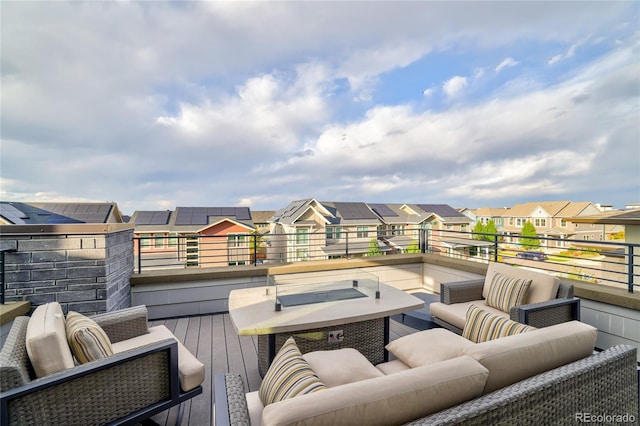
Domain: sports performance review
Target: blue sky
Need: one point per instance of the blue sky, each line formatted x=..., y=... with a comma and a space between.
x=162, y=104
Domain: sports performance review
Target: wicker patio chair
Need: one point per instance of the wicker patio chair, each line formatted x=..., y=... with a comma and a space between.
x=125, y=388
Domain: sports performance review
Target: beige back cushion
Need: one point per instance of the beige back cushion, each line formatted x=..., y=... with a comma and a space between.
x=353, y=366
x=518, y=357
x=393, y=399
x=543, y=287
x=47, y=340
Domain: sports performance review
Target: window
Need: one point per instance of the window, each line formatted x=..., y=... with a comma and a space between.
x=145, y=240
x=511, y=221
x=193, y=250
x=463, y=227
x=563, y=223
x=302, y=236
x=237, y=263
x=541, y=222
x=334, y=233
x=302, y=254
x=397, y=229
x=158, y=240
x=236, y=240
x=172, y=241
x=519, y=222
x=362, y=231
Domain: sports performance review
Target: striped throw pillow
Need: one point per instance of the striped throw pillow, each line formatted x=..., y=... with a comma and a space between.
x=506, y=292
x=289, y=375
x=481, y=326
x=87, y=340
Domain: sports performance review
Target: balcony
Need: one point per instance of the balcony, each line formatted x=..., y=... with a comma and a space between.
x=192, y=301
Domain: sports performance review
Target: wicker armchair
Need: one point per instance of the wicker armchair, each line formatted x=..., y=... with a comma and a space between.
x=563, y=308
x=124, y=388
x=557, y=307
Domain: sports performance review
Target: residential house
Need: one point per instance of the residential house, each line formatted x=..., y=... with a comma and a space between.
x=551, y=219
x=261, y=220
x=31, y=213
x=195, y=236
x=486, y=214
x=401, y=225
x=309, y=229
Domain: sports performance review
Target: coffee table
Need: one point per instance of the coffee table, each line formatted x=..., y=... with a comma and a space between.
x=361, y=323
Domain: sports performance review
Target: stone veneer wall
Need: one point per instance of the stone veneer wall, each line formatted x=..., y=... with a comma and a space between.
x=85, y=267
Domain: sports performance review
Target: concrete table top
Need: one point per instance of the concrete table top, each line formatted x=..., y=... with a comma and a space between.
x=252, y=310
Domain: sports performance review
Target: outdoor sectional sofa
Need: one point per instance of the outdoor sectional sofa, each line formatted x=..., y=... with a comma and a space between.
x=546, y=302
x=535, y=376
x=45, y=380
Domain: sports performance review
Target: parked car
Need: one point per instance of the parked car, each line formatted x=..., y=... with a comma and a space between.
x=531, y=255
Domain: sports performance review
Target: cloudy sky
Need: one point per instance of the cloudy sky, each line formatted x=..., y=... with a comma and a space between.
x=162, y=104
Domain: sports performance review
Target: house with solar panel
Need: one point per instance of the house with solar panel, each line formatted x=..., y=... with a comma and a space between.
x=309, y=229
x=195, y=237
x=28, y=213
x=402, y=225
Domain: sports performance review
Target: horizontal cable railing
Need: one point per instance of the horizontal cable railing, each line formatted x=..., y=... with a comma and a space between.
x=606, y=262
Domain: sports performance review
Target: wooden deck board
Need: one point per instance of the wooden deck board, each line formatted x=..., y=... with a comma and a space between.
x=214, y=341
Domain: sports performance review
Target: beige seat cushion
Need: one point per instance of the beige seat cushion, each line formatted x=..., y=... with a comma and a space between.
x=255, y=407
x=341, y=366
x=191, y=370
x=456, y=313
x=46, y=340
x=518, y=357
x=388, y=400
x=392, y=367
x=543, y=287
x=427, y=347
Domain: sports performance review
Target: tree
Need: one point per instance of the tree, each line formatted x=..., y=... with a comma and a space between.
x=374, y=248
x=528, y=237
x=489, y=228
x=413, y=247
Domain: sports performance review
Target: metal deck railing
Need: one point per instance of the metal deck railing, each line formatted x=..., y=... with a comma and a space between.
x=613, y=263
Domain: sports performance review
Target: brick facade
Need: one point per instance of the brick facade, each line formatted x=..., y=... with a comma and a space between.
x=86, y=268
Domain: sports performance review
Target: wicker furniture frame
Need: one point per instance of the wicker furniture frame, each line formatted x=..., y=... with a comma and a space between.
x=368, y=337
x=125, y=388
x=605, y=383
x=563, y=308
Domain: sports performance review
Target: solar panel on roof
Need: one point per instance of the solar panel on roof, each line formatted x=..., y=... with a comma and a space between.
x=243, y=213
x=383, y=210
x=160, y=218
x=184, y=215
x=442, y=210
x=12, y=214
x=352, y=211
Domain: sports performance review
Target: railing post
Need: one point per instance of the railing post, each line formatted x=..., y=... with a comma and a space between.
x=255, y=250
x=139, y=255
x=630, y=268
x=347, y=245
x=495, y=248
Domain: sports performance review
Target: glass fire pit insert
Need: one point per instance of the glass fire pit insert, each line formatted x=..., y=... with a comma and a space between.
x=289, y=290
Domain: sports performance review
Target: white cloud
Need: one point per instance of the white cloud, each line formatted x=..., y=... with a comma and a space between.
x=571, y=51
x=454, y=86
x=157, y=104
x=508, y=62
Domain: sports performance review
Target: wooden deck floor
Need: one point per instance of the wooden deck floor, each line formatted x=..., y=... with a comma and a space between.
x=213, y=340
